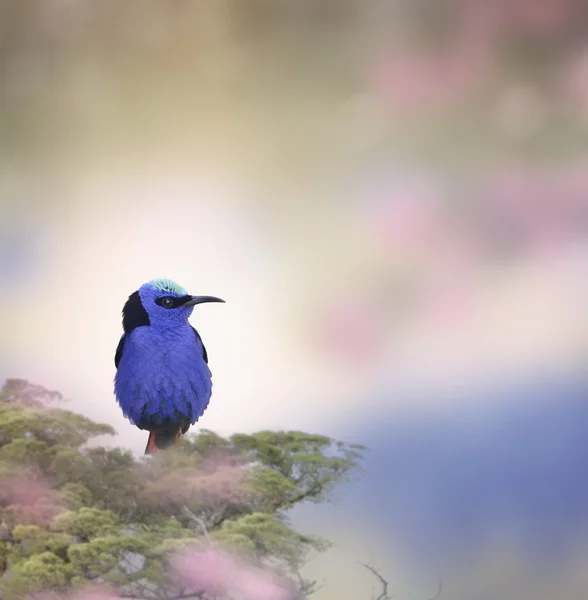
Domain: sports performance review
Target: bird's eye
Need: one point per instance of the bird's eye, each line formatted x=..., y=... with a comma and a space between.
x=167, y=302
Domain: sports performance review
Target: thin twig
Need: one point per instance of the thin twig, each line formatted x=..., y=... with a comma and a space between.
x=200, y=522
x=384, y=595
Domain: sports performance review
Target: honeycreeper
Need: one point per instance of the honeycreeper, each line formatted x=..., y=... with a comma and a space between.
x=163, y=383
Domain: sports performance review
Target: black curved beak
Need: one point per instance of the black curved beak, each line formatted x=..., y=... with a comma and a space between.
x=201, y=300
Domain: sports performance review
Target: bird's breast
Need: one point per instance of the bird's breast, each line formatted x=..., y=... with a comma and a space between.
x=162, y=375
x=157, y=352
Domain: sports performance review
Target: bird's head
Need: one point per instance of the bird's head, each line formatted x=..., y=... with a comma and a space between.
x=160, y=303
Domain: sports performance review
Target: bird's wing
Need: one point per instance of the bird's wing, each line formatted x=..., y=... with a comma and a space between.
x=204, y=353
x=186, y=425
x=119, y=350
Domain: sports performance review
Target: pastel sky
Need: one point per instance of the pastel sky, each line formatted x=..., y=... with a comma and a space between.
x=107, y=234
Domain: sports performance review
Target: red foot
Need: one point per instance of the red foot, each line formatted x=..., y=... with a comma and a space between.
x=178, y=436
x=151, y=447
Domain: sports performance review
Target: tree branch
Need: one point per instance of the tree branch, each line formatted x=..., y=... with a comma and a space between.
x=200, y=522
x=384, y=582
x=306, y=587
x=145, y=590
x=309, y=493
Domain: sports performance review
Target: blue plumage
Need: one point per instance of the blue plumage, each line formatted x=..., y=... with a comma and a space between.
x=163, y=383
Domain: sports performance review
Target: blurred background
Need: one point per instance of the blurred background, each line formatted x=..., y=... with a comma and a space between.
x=391, y=196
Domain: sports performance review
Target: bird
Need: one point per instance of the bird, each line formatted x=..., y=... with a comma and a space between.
x=163, y=383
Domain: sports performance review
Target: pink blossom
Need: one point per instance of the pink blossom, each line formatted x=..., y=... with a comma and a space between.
x=95, y=595
x=210, y=571
x=26, y=490
x=258, y=585
x=217, y=572
x=32, y=498
x=215, y=478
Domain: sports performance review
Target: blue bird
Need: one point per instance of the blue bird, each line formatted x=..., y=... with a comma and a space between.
x=162, y=382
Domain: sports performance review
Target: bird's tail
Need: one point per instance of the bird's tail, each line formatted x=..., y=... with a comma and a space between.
x=162, y=439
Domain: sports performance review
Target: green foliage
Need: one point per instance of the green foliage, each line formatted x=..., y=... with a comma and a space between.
x=102, y=555
x=76, y=495
x=35, y=574
x=27, y=452
x=310, y=465
x=265, y=536
x=34, y=419
x=72, y=515
x=86, y=523
x=68, y=465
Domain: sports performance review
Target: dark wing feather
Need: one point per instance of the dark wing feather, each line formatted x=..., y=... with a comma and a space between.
x=204, y=353
x=119, y=350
